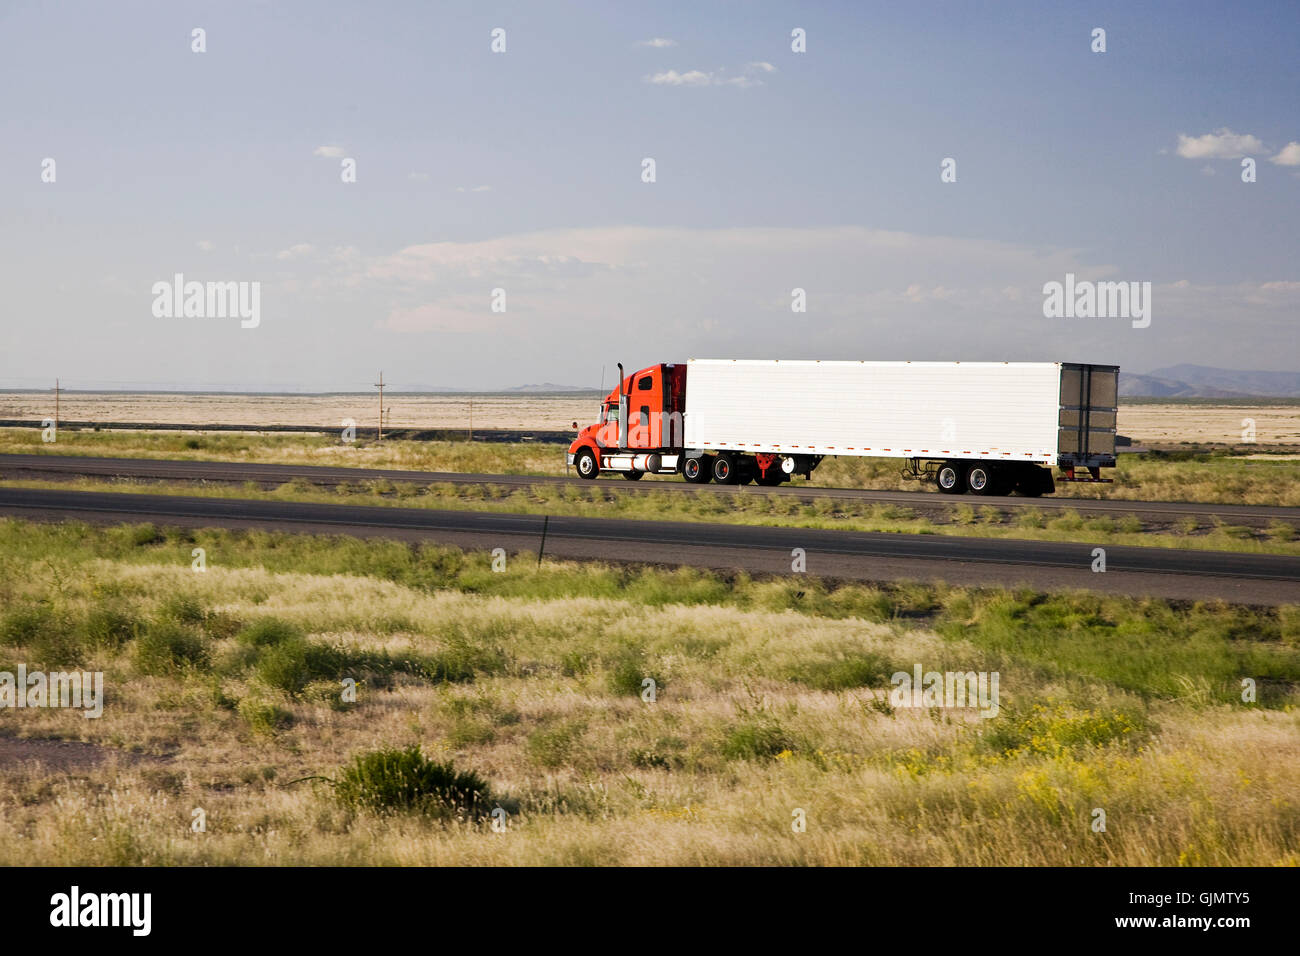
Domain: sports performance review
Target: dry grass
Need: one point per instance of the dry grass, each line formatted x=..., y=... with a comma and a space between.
x=770, y=699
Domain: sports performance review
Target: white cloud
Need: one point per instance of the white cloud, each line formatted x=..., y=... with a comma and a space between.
x=329, y=152
x=206, y=245
x=748, y=76
x=296, y=251
x=658, y=43
x=1207, y=170
x=1289, y=156
x=473, y=189
x=1221, y=144
x=418, y=177
x=673, y=78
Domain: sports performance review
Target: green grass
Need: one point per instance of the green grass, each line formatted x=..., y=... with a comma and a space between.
x=522, y=688
x=405, y=780
x=750, y=508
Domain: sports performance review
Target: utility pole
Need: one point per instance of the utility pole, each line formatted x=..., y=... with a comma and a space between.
x=380, y=385
x=56, y=406
x=471, y=418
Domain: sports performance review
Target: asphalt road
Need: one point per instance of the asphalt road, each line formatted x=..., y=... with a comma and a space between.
x=56, y=466
x=1159, y=572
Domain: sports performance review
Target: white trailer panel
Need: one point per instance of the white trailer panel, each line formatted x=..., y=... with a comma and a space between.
x=1005, y=411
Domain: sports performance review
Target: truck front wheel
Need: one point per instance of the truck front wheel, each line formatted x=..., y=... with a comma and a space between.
x=585, y=463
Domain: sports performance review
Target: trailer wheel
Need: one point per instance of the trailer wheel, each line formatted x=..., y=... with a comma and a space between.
x=633, y=475
x=951, y=478
x=980, y=480
x=725, y=471
x=696, y=470
x=773, y=477
x=585, y=463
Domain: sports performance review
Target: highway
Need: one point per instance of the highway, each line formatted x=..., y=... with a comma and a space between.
x=984, y=562
x=55, y=466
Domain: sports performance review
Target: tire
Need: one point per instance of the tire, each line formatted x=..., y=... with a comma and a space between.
x=1004, y=481
x=980, y=479
x=951, y=478
x=726, y=470
x=633, y=475
x=585, y=463
x=697, y=471
x=773, y=477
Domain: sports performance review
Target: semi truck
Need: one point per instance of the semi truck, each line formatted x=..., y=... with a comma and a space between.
x=983, y=428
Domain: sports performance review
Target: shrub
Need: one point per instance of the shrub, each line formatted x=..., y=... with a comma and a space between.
x=167, y=646
x=142, y=535
x=757, y=740
x=263, y=716
x=553, y=747
x=1054, y=727
x=628, y=675
x=21, y=626
x=110, y=627
x=183, y=609
x=268, y=632
x=47, y=635
x=842, y=673
x=404, y=780
x=287, y=666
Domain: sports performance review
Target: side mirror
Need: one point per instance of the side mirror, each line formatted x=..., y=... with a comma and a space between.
x=575, y=425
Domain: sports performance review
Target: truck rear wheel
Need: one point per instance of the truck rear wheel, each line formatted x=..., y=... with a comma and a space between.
x=979, y=479
x=725, y=470
x=697, y=470
x=585, y=463
x=951, y=478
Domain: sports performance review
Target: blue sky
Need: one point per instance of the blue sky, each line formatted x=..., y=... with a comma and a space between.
x=522, y=170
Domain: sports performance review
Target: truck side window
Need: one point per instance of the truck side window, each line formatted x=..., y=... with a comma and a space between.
x=645, y=384
x=611, y=413
x=645, y=416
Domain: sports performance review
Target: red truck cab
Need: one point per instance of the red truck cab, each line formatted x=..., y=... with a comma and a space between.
x=640, y=426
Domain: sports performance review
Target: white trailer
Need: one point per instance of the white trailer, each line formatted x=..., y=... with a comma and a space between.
x=983, y=427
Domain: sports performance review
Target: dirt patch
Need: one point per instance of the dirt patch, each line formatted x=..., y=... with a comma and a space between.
x=59, y=755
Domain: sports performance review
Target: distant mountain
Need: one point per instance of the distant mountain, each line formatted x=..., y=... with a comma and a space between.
x=1202, y=381
x=550, y=387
